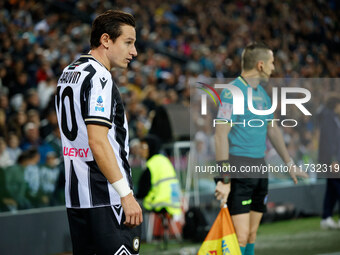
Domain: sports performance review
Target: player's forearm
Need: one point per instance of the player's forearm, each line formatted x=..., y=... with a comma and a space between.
x=105, y=158
x=221, y=145
x=276, y=138
x=222, y=149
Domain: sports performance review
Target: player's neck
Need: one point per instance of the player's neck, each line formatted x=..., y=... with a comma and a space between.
x=99, y=55
x=251, y=77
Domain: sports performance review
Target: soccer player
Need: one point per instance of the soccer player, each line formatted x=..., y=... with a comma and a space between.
x=245, y=146
x=102, y=211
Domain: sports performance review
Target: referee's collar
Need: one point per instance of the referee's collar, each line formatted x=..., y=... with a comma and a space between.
x=243, y=81
x=246, y=83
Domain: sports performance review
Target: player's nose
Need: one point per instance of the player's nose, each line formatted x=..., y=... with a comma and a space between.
x=133, y=51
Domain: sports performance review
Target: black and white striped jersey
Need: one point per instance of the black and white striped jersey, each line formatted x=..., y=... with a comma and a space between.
x=87, y=94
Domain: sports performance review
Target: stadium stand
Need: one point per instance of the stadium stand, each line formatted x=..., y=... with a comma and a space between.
x=179, y=43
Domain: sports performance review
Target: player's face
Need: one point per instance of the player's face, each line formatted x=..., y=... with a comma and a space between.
x=268, y=66
x=123, y=49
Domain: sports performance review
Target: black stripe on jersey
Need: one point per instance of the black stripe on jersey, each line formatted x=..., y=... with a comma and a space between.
x=120, y=131
x=98, y=121
x=99, y=192
x=113, y=101
x=91, y=57
x=74, y=194
x=57, y=98
x=85, y=90
x=83, y=59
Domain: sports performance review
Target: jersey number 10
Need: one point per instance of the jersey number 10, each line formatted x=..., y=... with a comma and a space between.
x=71, y=134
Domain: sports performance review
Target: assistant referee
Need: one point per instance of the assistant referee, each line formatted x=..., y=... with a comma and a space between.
x=242, y=145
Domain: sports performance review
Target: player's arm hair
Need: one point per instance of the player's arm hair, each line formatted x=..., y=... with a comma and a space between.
x=276, y=138
x=221, y=141
x=103, y=152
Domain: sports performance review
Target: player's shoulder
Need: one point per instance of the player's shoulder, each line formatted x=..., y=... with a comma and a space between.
x=88, y=63
x=227, y=93
x=86, y=69
x=235, y=83
x=97, y=67
x=241, y=83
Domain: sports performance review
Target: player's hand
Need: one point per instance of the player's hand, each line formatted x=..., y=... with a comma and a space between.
x=132, y=210
x=295, y=172
x=222, y=192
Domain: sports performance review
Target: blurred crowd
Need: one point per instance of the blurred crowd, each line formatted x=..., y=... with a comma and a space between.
x=179, y=43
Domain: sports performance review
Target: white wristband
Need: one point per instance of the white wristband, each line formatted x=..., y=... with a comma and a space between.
x=121, y=187
x=290, y=163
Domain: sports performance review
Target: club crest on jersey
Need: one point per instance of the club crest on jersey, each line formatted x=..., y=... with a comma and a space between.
x=135, y=243
x=99, y=105
x=228, y=94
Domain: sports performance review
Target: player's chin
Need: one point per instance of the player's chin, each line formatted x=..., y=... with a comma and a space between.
x=122, y=65
x=125, y=64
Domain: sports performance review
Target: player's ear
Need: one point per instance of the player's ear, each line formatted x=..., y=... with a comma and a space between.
x=104, y=40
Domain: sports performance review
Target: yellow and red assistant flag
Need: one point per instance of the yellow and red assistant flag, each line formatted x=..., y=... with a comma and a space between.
x=221, y=239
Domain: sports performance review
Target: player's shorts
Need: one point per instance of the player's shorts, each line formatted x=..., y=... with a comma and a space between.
x=101, y=231
x=247, y=194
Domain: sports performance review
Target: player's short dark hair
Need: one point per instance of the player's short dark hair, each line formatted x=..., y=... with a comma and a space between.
x=110, y=22
x=253, y=53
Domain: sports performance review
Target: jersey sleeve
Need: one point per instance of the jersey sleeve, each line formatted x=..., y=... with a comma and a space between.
x=99, y=101
x=225, y=111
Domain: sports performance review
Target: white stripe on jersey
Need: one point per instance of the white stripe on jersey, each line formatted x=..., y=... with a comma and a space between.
x=104, y=121
x=86, y=94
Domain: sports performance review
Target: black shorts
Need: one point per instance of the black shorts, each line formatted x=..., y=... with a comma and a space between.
x=101, y=231
x=247, y=194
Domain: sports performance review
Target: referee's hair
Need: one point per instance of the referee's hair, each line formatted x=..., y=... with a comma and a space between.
x=110, y=22
x=253, y=53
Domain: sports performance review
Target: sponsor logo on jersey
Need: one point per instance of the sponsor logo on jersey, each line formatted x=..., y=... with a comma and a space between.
x=99, y=105
x=74, y=152
x=100, y=100
x=103, y=82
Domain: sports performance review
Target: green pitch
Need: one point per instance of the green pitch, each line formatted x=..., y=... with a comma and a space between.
x=297, y=237
x=293, y=237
